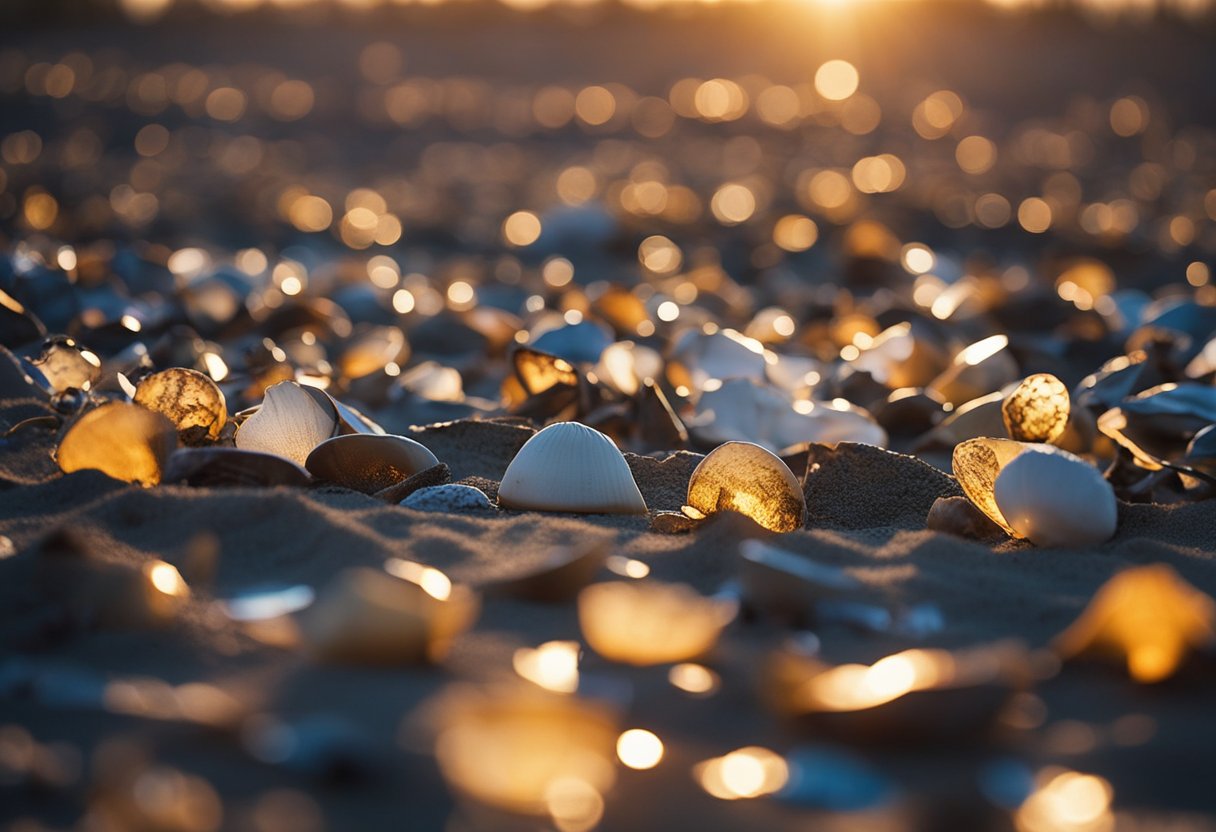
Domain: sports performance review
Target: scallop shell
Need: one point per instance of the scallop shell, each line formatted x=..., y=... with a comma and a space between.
x=570, y=467
x=289, y=423
x=1056, y=499
x=124, y=441
x=648, y=622
x=1037, y=409
x=368, y=463
x=365, y=616
x=742, y=477
x=1038, y=492
x=189, y=399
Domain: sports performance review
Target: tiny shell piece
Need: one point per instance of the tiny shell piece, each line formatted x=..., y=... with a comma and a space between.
x=571, y=467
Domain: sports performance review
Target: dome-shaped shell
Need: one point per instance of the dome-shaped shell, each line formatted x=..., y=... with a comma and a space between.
x=368, y=462
x=1053, y=498
x=570, y=467
x=746, y=478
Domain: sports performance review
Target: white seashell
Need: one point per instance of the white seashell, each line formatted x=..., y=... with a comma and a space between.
x=368, y=462
x=1053, y=498
x=289, y=423
x=746, y=478
x=449, y=498
x=745, y=411
x=571, y=467
x=698, y=357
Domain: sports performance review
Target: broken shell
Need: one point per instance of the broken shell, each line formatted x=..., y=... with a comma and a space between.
x=1037, y=409
x=67, y=365
x=368, y=463
x=570, y=467
x=124, y=441
x=1056, y=499
x=746, y=478
x=515, y=750
x=647, y=622
x=723, y=354
x=365, y=616
x=210, y=467
x=189, y=399
x=289, y=423
x=1146, y=615
x=898, y=358
x=978, y=417
x=1038, y=492
x=448, y=498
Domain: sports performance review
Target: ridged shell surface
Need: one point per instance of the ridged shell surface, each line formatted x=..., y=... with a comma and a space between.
x=1053, y=498
x=289, y=423
x=571, y=467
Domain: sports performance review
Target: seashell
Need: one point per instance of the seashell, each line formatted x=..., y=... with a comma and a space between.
x=371, y=350
x=1147, y=616
x=348, y=419
x=959, y=516
x=897, y=358
x=123, y=441
x=698, y=357
x=67, y=365
x=189, y=399
x=647, y=622
x=979, y=369
x=747, y=411
x=365, y=616
x=626, y=366
x=746, y=478
x=621, y=308
x=217, y=467
x=538, y=371
x=289, y=423
x=915, y=695
x=1114, y=381
x=368, y=463
x=1037, y=409
x=433, y=381
x=1038, y=492
x=522, y=749
x=570, y=467
x=449, y=498
x=560, y=576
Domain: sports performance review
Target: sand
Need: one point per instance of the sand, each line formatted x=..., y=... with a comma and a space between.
x=287, y=535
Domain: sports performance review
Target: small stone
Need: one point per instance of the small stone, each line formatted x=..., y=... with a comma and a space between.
x=959, y=516
x=448, y=498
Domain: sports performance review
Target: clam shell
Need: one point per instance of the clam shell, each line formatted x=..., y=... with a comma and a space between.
x=365, y=616
x=368, y=463
x=1056, y=499
x=647, y=622
x=1037, y=409
x=211, y=467
x=289, y=423
x=570, y=467
x=189, y=399
x=976, y=464
x=510, y=748
x=124, y=441
x=746, y=478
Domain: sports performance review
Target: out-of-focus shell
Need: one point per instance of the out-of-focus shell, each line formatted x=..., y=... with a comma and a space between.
x=724, y=354
x=570, y=467
x=289, y=423
x=981, y=368
x=897, y=358
x=67, y=365
x=1056, y=499
x=516, y=749
x=368, y=463
x=647, y=622
x=1037, y=409
x=371, y=350
x=365, y=616
x=746, y=478
x=189, y=399
x=124, y=441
